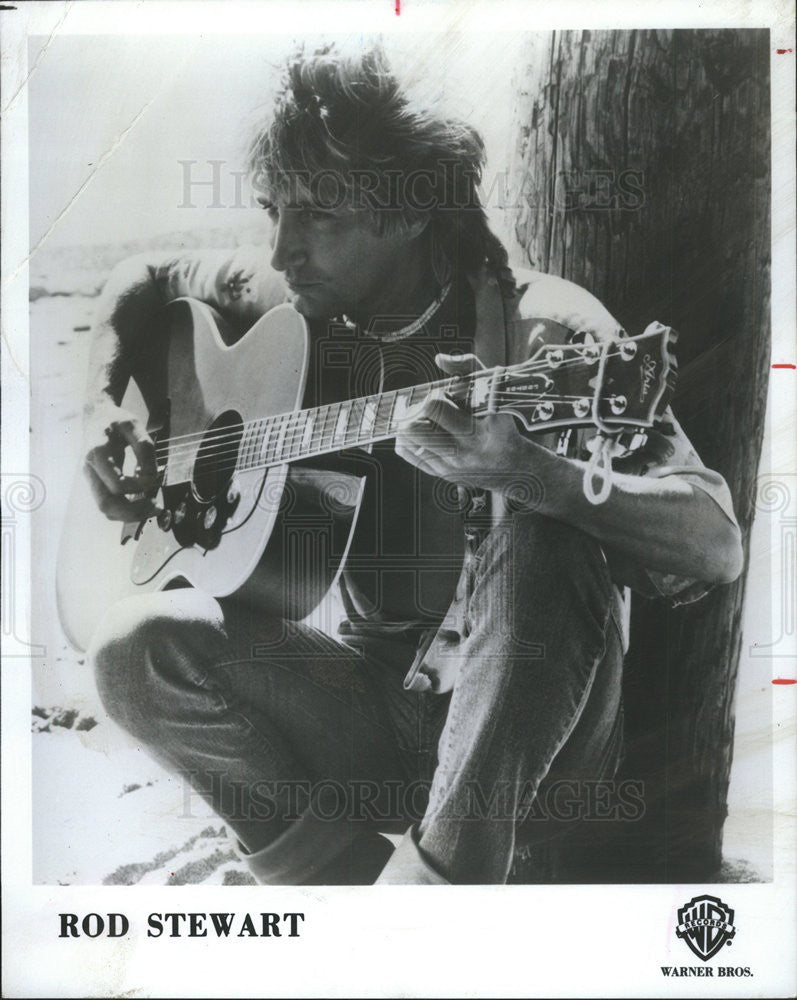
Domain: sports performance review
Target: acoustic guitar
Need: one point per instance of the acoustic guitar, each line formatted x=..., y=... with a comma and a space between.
x=238, y=515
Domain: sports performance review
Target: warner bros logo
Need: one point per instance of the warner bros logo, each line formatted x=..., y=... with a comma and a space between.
x=706, y=924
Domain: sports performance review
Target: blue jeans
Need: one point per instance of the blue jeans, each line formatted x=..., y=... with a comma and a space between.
x=308, y=746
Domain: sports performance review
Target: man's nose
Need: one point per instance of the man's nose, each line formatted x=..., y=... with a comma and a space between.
x=287, y=244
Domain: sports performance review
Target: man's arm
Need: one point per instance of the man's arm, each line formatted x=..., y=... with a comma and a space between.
x=677, y=521
x=129, y=301
x=666, y=523
x=234, y=282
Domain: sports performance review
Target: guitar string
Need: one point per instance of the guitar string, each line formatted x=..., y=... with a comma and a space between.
x=237, y=433
x=296, y=430
x=233, y=439
x=190, y=440
x=232, y=465
x=228, y=461
x=226, y=444
x=520, y=369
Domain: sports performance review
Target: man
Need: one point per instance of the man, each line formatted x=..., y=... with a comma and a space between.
x=451, y=702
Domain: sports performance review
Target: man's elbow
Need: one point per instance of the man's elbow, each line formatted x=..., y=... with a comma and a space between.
x=725, y=559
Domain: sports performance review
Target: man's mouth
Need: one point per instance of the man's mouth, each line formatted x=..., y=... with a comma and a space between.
x=298, y=286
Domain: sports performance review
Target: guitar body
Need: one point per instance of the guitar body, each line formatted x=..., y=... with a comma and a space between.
x=274, y=537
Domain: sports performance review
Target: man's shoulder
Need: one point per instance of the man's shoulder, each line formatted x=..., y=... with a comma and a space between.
x=542, y=296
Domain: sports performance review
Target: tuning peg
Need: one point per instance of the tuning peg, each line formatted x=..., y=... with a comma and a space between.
x=555, y=357
x=581, y=407
x=617, y=404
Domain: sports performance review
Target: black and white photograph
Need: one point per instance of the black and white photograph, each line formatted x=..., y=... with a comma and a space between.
x=398, y=491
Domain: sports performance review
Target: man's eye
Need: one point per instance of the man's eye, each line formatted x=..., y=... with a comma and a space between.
x=270, y=209
x=314, y=215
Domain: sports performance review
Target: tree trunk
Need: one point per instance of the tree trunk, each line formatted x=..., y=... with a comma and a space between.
x=644, y=159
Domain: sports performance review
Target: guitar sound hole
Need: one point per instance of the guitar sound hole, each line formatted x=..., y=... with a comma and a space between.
x=217, y=457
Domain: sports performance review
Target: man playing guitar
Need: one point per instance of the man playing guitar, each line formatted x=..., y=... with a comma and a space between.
x=480, y=659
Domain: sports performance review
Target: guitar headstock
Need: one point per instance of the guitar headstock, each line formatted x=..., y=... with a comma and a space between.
x=558, y=386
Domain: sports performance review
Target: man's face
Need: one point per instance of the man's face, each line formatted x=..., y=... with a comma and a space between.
x=334, y=261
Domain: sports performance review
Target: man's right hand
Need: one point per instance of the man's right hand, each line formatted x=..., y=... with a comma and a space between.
x=110, y=432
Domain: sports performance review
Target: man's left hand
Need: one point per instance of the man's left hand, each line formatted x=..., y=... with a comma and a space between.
x=445, y=441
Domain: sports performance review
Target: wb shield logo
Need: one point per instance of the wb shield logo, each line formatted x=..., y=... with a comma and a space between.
x=706, y=924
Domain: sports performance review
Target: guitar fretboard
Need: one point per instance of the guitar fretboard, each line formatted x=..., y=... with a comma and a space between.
x=561, y=386
x=286, y=437
x=353, y=423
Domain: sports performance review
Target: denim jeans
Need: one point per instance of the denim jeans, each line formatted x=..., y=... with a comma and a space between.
x=308, y=746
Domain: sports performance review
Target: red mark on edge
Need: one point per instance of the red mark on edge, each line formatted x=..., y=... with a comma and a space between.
x=789, y=365
x=780, y=52
x=784, y=680
x=398, y=7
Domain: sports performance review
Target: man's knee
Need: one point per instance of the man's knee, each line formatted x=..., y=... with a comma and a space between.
x=533, y=572
x=135, y=649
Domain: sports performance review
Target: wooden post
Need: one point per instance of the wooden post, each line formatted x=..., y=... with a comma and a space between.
x=644, y=166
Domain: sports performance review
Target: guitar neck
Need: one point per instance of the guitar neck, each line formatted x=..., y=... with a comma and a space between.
x=352, y=423
x=622, y=384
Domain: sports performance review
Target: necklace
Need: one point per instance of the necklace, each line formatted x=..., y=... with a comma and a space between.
x=414, y=327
